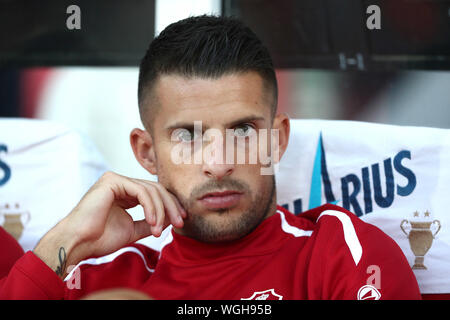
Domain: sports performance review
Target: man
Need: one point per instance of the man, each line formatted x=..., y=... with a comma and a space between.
x=230, y=240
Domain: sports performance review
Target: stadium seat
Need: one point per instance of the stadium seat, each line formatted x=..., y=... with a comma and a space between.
x=45, y=168
x=395, y=177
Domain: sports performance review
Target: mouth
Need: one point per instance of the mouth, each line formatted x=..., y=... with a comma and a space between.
x=220, y=200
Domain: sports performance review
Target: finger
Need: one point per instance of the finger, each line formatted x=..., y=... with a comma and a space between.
x=145, y=200
x=154, y=215
x=180, y=207
x=152, y=208
x=149, y=209
x=159, y=210
x=150, y=214
x=126, y=191
x=172, y=207
x=173, y=213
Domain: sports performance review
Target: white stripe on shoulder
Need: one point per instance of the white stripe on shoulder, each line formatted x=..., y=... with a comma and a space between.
x=168, y=239
x=351, y=239
x=296, y=232
x=110, y=257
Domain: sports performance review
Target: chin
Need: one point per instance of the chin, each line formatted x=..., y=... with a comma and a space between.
x=221, y=226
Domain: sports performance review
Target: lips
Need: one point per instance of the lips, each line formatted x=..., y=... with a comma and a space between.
x=221, y=200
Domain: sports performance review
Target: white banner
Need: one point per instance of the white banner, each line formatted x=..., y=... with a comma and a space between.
x=395, y=177
x=45, y=169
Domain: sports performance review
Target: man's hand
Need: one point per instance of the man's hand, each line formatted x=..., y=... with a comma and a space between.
x=100, y=225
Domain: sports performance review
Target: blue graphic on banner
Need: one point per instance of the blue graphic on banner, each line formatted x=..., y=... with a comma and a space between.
x=352, y=184
x=319, y=176
x=4, y=167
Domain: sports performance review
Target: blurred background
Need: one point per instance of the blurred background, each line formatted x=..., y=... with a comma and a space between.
x=334, y=60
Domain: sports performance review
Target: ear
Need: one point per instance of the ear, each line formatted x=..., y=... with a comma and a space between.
x=281, y=123
x=142, y=144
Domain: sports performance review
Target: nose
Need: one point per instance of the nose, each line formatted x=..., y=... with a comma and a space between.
x=217, y=170
x=214, y=163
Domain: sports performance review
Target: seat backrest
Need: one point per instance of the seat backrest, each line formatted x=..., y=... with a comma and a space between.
x=45, y=168
x=394, y=177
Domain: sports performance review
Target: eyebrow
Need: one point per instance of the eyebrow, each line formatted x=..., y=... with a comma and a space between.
x=190, y=125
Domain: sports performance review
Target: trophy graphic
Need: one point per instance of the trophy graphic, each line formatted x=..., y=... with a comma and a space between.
x=14, y=219
x=420, y=236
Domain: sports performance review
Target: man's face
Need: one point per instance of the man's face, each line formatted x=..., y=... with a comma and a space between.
x=224, y=200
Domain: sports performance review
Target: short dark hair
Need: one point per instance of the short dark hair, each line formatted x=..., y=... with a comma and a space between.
x=205, y=46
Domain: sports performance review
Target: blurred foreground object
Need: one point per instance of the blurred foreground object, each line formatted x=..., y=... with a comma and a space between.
x=117, y=294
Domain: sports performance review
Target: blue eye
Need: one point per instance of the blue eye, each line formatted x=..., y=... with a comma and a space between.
x=186, y=135
x=243, y=130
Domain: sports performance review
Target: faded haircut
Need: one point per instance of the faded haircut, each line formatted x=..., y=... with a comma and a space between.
x=207, y=47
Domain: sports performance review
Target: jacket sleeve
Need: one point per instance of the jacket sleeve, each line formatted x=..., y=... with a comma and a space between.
x=360, y=262
x=31, y=279
x=10, y=250
x=383, y=272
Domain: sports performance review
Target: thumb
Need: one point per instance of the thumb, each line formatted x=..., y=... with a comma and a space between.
x=141, y=230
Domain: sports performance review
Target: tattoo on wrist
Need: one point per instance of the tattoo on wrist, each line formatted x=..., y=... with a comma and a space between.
x=62, y=262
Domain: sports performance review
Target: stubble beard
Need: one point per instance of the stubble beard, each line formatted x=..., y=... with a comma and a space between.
x=223, y=225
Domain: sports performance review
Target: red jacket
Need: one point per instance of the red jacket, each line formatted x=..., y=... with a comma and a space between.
x=10, y=250
x=325, y=253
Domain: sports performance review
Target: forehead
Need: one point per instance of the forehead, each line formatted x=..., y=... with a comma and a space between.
x=212, y=101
